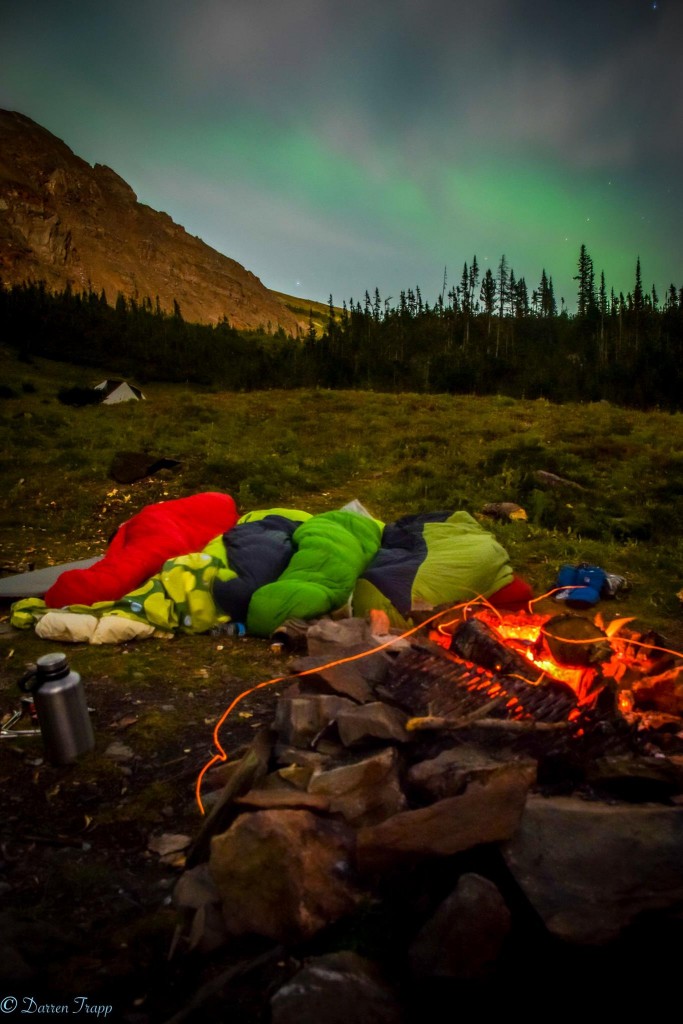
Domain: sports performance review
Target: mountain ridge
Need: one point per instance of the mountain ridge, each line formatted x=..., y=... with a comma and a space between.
x=72, y=224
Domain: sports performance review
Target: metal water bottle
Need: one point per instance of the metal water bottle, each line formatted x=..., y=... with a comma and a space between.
x=61, y=707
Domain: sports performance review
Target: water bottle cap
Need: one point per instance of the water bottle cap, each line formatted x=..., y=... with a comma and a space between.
x=52, y=666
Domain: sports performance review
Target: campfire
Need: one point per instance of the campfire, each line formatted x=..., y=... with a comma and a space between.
x=607, y=664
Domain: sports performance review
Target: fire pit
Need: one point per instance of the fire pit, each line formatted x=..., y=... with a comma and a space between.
x=511, y=740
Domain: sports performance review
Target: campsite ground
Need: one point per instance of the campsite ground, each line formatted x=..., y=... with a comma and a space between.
x=87, y=902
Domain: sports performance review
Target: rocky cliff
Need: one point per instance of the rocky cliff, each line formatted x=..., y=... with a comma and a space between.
x=65, y=222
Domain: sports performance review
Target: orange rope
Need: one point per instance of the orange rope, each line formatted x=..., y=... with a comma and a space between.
x=222, y=756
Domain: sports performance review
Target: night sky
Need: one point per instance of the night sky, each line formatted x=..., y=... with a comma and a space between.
x=332, y=146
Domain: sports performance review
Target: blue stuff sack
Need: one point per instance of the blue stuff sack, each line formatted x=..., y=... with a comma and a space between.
x=580, y=585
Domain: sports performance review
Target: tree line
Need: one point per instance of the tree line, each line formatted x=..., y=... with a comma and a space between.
x=490, y=333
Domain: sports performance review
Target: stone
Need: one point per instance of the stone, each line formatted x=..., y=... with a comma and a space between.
x=168, y=842
x=195, y=888
x=118, y=751
x=284, y=874
x=340, y=988
x=328, y=635
x=365, y=792
x=299, y=720
x=345, y=680
x=197, y=895
x=294, y=776
x=288, y=756
x=372, y=721
x=292, y=798
x=464, y=937
x=636, y=779
x=449, y=773
x=590, y=868
x=345, y=638
x=485, y=813
x=661, y=693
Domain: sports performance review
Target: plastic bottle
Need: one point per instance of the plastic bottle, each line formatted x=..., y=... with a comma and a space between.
x=61, y=707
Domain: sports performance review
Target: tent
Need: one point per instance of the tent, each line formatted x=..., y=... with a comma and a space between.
x=114, y=391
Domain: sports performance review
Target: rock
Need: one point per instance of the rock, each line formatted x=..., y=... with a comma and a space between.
x=328, y=635
x=636, y=779
x=484, y=813
x=294, y=776
x=365, y=792
x=168, y=842
x=340, y=988
x=345, y=680
x=589, y=868
x=344, y=638
x=451, y=771
x=661, y=693
x=283, y=874
x=299, y=720
x=248, y=771
x=292, y=798
x=118, y=751
x=552, y=480
x=464, y=937
x=128, y=467
x=195, y=888
x=287, y=755
x=504, y=510
x=197, y=893
x=375, y=720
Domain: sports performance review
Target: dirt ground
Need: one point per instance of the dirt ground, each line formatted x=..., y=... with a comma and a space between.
x=86, y=904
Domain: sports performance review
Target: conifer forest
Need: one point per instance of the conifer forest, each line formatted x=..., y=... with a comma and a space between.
x=490, y=333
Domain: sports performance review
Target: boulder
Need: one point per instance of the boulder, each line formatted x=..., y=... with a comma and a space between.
x=283, y=874
x=485, y=813
x=340, y=988
x=590, y=868
x=464, y=937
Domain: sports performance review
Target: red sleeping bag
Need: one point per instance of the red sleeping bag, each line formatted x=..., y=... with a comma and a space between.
x=142, y=545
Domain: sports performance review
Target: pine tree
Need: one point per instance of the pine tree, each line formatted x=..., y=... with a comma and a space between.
x=638, y=300
x=473, y=282
x=488, y=297
x=586, y=279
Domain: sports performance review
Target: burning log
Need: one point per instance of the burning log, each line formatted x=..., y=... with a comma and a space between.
x=475, y=641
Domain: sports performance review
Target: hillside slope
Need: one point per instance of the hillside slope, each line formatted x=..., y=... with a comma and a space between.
x=65, y=222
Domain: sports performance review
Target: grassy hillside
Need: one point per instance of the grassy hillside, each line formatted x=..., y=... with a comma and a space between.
x=308, y=309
